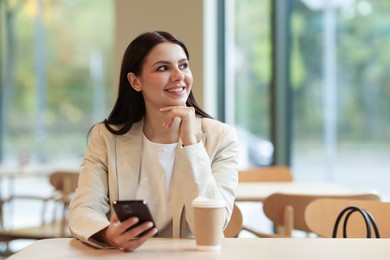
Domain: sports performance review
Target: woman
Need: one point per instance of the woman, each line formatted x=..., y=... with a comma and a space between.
x=157, y=145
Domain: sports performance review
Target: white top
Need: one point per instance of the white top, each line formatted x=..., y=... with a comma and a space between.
x=155, y=181
x=202, y=202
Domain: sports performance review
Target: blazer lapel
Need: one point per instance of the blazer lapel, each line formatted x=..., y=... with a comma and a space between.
x=128, y=161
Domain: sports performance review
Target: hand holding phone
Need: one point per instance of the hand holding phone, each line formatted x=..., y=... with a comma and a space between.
x=133, y=208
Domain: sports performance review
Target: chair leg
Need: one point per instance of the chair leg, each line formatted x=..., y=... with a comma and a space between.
x=6, y=252
x=288, y=221
x=1, y=214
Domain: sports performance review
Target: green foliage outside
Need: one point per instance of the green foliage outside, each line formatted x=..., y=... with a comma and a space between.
x=363, y=81
x=72, y=32
x=253, y=65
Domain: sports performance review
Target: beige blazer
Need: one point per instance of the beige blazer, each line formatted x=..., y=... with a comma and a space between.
x=111, y=171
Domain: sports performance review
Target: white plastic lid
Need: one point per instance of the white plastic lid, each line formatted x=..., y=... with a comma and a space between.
x=202, y=202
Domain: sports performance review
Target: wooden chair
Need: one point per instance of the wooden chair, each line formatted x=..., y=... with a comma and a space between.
x=235, y=223
x=64, y=184
x=264, y=174
x=321, y=214
x=1, y=214
x=287, y=211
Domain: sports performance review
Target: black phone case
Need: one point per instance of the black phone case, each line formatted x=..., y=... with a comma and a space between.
x=133, y=208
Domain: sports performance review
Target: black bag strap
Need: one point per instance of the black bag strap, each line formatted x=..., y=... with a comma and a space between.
x=373, y=224
x=368, y=220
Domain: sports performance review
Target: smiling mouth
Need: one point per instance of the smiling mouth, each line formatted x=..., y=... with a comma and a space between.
x=176, y=90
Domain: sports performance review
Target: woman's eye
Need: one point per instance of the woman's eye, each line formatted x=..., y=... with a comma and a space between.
x=162, y=68
x=183, y=66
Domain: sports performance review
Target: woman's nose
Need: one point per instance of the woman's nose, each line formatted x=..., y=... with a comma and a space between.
x=177, y=75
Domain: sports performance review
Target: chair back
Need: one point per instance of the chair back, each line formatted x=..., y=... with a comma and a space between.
x=65, y=182
x=321, y=215
x=288, y=210
x=235, y=223
x=52, y=224
x=266, y=174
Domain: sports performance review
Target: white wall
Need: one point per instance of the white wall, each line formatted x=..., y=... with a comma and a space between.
x=184, y=18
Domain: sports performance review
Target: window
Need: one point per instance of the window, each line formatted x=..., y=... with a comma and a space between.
x=338, y=79
x=248, y=78
x=341, y=92
x=56, y=78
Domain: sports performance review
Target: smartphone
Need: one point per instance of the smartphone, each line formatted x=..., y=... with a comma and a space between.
x=125, y=209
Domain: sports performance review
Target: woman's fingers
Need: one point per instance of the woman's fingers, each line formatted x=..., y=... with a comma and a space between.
x=125, y=234
x=135, y=231
x=115, y=233
x=134, y=243
x=187, y=122
x=184, y=113
x=114, y=218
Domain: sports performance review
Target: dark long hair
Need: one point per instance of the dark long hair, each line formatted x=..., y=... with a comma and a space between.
x=130, y=105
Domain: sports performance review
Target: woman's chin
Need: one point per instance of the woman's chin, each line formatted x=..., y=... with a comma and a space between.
x=177, y=103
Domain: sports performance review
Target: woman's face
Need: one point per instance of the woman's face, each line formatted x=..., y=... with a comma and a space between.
x=166, y=79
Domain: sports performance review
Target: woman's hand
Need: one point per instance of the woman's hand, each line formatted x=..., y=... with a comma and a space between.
x=187, y=122
x=118, y=235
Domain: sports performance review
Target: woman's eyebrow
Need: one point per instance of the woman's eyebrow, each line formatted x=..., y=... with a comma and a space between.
x=168, y=62
x=161, y=62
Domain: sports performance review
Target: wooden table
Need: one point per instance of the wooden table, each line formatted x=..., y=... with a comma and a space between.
x=232, y=248
x=258, y=191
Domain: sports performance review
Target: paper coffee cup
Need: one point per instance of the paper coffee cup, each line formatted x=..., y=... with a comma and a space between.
x=209, y=218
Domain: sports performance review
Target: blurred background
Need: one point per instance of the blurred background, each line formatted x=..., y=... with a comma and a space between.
x=305, y=82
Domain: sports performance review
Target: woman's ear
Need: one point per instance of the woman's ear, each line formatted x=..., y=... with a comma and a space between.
x=134, y=81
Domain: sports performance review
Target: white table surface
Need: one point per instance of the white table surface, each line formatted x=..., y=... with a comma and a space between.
x=232, y=248
x=258, y=191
